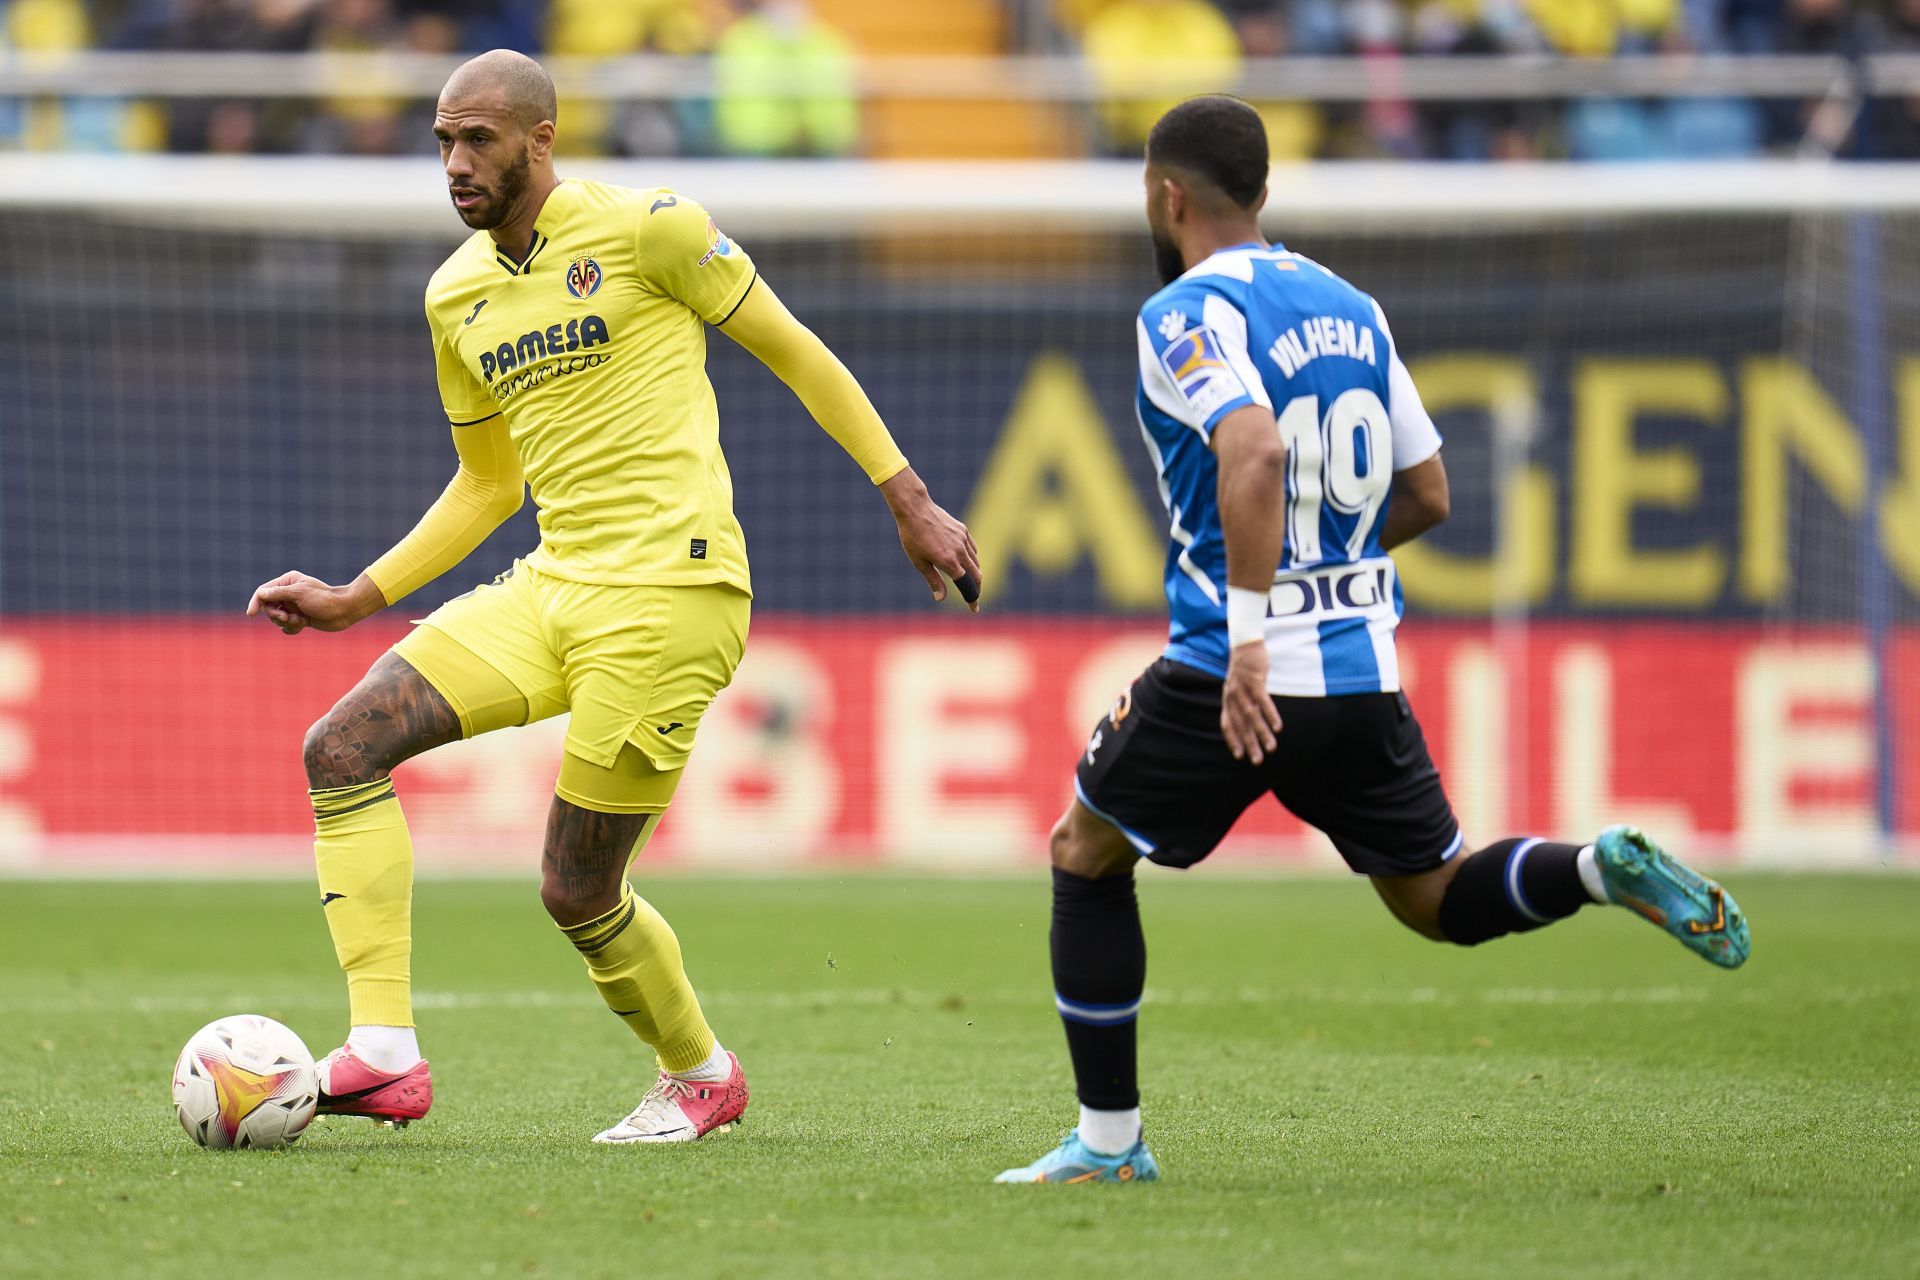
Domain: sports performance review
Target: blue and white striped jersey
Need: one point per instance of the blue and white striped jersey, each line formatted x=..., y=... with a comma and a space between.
x=1258, y=325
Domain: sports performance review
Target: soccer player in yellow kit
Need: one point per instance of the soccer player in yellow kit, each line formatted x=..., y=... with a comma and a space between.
x=569, y=336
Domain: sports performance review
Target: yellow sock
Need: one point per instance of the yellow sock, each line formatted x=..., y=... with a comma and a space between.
x=365, y=861
x=634, y=958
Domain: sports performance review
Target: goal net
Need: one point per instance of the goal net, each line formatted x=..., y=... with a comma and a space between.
x=1680, y=585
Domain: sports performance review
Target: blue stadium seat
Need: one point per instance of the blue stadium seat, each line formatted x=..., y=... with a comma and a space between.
x=1610, y=129
x=1712, y=128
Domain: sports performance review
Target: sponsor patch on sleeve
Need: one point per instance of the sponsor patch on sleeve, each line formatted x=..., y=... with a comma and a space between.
x=1205, y=379
x=718, y=246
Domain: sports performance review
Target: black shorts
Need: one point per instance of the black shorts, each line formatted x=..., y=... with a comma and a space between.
x=1355, y=766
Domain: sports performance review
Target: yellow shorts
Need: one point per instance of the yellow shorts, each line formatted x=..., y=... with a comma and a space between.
x=637, y=666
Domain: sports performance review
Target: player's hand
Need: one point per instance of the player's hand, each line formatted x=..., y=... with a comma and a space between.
x=1248, y=717
x=294, y=601
x=934, y=541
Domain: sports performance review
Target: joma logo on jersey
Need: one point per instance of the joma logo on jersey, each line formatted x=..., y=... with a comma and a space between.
x=575, y=335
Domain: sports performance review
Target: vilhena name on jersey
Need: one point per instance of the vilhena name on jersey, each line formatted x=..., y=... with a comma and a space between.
x=594, y=348
x=1318, y=336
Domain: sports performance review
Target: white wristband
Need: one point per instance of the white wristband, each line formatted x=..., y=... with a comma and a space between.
x=1246, y=616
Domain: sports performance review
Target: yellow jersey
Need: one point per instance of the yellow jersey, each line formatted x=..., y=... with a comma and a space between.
x=595, y=348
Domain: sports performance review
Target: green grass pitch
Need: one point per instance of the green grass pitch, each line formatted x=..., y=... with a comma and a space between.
x=1328, y=1094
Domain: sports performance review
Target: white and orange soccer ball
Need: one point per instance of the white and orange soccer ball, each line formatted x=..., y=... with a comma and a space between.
x=245, y=1081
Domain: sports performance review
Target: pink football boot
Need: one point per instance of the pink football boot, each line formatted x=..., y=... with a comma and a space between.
x=677, y=1110
x=349, y=1087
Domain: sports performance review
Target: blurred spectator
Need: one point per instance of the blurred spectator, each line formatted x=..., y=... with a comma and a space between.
x=1474, y=27
x=1377, y=34
x=485, y=24
x=1602, y=28
x=1265, y=29
x=618, y=28
x=1747, y=26
x=226, y=126
x=782, y=41
x=1072, y=16
x=1899, y=118
x=1827, y=26
x=609, y=28
x=1318, y=27
x=77, y=124
x=1489, y=129
x=1179, y=47
x=48, y=26
x=429, y=34
x=1839, y=124
x=360, y=119
x=227, y=25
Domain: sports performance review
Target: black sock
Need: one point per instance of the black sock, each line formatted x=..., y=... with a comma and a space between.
x=1511, y=886
x=1099, y=971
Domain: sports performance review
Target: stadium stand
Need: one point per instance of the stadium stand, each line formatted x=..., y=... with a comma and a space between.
x=823, y=105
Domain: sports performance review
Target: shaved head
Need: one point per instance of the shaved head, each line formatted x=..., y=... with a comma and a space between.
x=509, y=80
x=496, y=131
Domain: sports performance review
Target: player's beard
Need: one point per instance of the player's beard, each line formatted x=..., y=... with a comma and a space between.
x=504, y=198
x=1166, y=258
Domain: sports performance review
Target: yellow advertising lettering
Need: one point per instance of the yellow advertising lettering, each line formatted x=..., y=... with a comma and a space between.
x=1900, y=499
x=1521, y=569
x=1615, y=478
x=1783, y=410
x=1055, y=490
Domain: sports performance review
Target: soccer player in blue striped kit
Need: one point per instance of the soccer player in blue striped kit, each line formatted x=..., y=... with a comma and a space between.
x=1293, y=454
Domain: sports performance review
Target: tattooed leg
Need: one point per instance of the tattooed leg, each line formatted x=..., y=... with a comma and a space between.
x=585, y=860
x=632, y=954
x=361, y=848
x=392, y=715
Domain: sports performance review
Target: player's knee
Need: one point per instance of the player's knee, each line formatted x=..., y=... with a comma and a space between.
x=1063, y=849
x=1073, y=852
x=1057, y=843
x=560, y=901
x=571, y=902
x=1415, y=903
x=330, y=760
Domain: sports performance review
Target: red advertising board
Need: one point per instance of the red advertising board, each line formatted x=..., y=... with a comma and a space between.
x=162, y=742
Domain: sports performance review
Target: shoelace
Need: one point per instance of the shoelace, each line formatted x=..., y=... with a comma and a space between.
x=667, y=1089
x=671, y=1084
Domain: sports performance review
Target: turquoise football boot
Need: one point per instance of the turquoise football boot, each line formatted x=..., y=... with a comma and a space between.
x=1637, y=873
x=1071, y=1161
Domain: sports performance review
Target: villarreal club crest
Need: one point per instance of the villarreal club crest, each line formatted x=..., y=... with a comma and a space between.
x=583, y=277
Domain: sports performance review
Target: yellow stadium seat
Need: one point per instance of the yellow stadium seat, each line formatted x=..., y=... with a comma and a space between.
x=946, y=128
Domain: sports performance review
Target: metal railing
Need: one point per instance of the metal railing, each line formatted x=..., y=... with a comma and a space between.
x=1036, y=78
